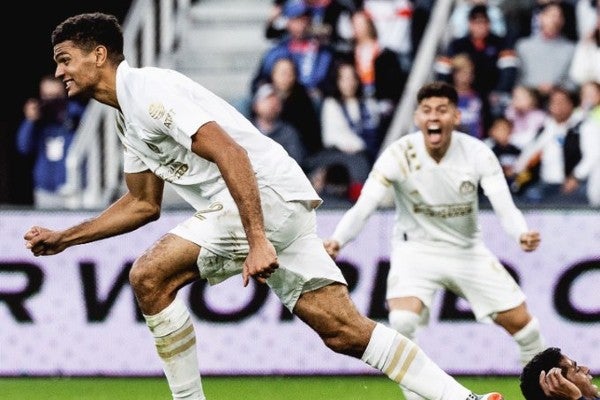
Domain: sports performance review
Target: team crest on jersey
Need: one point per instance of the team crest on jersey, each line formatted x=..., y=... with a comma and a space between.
x=467, y=187
x=158, y=111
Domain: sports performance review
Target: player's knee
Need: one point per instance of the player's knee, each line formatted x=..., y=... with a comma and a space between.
x=142, y=278
x=404, y=322
x=348, y=339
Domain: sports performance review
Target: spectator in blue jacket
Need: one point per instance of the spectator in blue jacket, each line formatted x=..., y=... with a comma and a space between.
x=46, y=133
x=314, y=61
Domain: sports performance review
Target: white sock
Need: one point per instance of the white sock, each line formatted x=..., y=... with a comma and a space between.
x=406, y=364
x=175, y=342
x=530, y=340
x=406, y=322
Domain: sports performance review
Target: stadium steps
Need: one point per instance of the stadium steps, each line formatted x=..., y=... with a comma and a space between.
x=223, y=44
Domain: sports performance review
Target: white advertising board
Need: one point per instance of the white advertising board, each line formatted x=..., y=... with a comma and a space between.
x=74, y=313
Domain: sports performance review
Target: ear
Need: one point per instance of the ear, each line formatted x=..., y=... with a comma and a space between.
x=101, y=54
x=457, y=116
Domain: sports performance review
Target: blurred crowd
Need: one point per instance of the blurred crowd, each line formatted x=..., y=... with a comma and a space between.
x=330, y=82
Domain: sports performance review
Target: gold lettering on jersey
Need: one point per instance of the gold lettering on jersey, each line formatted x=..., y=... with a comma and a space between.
x=168, y=119
x=444, y=211
x=216, y=206
x=172, y=170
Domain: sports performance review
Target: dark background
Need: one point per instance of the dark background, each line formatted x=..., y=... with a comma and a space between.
x=27, y=57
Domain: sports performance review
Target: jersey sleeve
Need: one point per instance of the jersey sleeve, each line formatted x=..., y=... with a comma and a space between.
x=378, y=183
x=496, y=189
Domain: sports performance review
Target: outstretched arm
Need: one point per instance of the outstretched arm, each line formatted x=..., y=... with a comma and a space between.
x=140, y=205
x=212, y=143
x=355, y=218
x=511, y=218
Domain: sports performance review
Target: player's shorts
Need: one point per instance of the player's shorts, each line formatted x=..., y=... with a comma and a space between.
x=304, y=265
x=474, y=274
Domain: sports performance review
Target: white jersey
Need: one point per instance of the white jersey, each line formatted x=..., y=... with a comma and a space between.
x=160, y=111
x=435, y=202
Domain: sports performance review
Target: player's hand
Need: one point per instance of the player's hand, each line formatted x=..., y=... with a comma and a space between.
x=332, y=247
x=43, y=242
x=530, y=241
x=260, y=263
x=556, y=386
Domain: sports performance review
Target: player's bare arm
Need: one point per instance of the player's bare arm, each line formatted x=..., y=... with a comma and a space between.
x=212, y=143
x=139, y=206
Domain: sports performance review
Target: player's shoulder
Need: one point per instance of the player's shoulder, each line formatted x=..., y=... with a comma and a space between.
x=471, y=142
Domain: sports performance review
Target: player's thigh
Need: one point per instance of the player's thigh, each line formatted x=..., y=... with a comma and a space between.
x=168, y=264
x=485, y=283
x=414, y=278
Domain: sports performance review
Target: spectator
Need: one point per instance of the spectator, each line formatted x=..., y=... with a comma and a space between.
x=459, y=19
x=313, y=60
x=495, y=63
x=568, y=150
x=586, y=16
x=551, y=375
x=585, y=65
x=330, y=23
x=545, y=58
x=267, y=110
x=525, y=114
x=350, y=128
x=332, y=183
x=47, y=133
x=297, y=107
x=393, y=21
x=506, y=152
x=378, y=68
x=469, y=102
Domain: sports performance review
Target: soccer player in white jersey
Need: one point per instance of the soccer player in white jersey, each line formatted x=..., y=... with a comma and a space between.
x=255, y=214
x=436, y=243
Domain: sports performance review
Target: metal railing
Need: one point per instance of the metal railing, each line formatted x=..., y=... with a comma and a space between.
x=151, y=33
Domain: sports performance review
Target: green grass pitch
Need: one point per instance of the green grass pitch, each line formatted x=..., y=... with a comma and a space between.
x=234, y=388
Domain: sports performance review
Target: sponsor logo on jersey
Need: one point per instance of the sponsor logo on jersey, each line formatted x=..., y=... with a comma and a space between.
x=444, y=211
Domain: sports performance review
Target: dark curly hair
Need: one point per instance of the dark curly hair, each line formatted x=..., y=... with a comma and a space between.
x=438, y=89
x=529, y=379
x=89, y=30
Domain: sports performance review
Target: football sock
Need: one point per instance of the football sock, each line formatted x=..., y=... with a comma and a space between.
x=530, y=340
x=406, y=323
x=406, y=364
x=175, y=342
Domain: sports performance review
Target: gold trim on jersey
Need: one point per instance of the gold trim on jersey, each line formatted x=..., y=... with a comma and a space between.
x=381, y=178
x=444, y=210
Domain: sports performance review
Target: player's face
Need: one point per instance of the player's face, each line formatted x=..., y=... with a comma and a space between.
x=580, y=376
x=437, y=117
x=77, y=69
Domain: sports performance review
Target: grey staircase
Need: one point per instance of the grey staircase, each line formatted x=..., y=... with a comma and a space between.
x=222, y=45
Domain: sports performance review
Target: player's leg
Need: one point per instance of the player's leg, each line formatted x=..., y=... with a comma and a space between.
x=492, y=292
x=524, y=329
x=332, y=314
x=155, y=278
x=405, y=316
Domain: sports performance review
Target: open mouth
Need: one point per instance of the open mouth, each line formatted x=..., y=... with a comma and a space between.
x=432, y=130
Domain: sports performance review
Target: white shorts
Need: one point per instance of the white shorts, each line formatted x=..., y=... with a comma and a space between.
x=474, y=274
x=304, y=265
